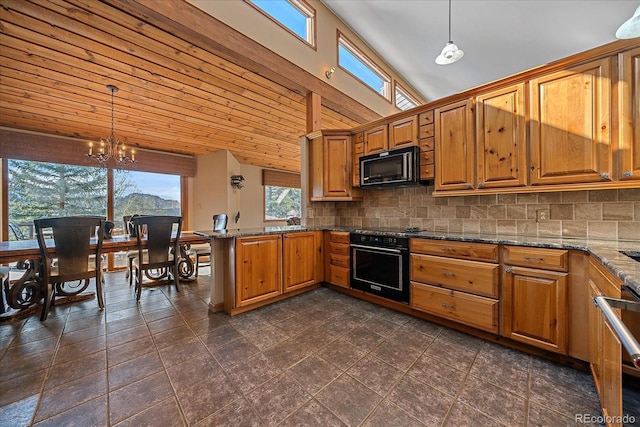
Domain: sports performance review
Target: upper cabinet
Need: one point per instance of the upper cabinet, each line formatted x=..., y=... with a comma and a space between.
x=376, y=140
x=629, y=115
x=570, y=125
x=403, y=132
x=330, y=167
x=501, y=138
x=454, y=146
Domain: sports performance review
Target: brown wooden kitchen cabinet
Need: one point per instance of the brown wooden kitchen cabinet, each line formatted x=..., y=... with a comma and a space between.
x=605, y=349
x=376, y=139
x=338, y=258
x=403, y=132
x=629, y=115
x=454, y=146
x=501, y=138
x=330, y=167
x=299, y=259
x=358, y=151
x=426, y=134
x=462, y=286
x=258, y=268
x=534, y=296
x=570, y=125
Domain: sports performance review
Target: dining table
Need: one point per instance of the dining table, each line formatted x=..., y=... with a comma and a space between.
x=21, y=296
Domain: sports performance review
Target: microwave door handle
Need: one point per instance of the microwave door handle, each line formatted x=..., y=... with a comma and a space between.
x=406, y=166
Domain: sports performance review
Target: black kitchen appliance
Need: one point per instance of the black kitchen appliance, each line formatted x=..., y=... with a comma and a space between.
x=380, y=265
x=390, y=168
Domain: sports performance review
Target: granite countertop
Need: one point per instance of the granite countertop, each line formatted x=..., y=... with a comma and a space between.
x=606, y=251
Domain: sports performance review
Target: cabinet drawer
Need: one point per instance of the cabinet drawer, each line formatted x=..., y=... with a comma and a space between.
x=427, y=131
x=358, y=137
x=427, y=172
x=339, y=237
x=339, y=276
x=471, y=310
x=358, y=148
x=425, y=118
x=479, y=278
x=427, y=144
x=464, y=250
x=426, y=157
x=338, y=249
x=546, y=259
x=339, y=260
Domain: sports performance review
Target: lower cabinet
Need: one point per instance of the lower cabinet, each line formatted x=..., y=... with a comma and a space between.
x=338, y=258
x=299, y=263
x=534, y=300
x=605, y=350
x=258, y=268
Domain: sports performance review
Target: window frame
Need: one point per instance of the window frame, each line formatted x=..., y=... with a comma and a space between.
x=305, y=9
x=343, y=40
x=399, y=88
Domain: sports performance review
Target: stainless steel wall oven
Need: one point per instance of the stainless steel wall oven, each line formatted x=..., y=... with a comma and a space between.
x=380, y=265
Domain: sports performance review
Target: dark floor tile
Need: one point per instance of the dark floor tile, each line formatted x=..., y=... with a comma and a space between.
x=277, y=398
x=198, y=369
x=564, y=376
x=136, y=397
x=424, y=327
x=201, y=400
x=182, y=351
x=561, y=398
x=75, y=337
x=130, y=350
x=252, y=372
x=375, y=374
x=173, y=336
x=220, y=336
x=165, y=324
x=88, y=414
x=496, y=402
x=166, y=413
x=209, y=324
x=70, y=394
x=397, y=354
x=312, y=414
x=88, y=346
x=20, y=365
x=276, y=314
x=134, y=370
x=314, y=373
x=382, y=327
x=442, y=349
x=503, y=375
x=75, y=368
x=421, y=401
x=389, y=415
x=266, y=337
x=439, y=374
x=293, y=325
x=122, y=324
x=540, y=416
x=363, y=338
x=126, y=335
x=18, y=349
x=285, y=354
x=237, y=413
x=350, y=400
x=462, y=415
x=341, y=354
x=234, y=352
x=21, y=386
x=163, y=313
x=19, y=413
x=392, y=316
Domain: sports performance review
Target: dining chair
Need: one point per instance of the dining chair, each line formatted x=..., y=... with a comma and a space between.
x=204, y=250
x=162, y=249
x=75, y=263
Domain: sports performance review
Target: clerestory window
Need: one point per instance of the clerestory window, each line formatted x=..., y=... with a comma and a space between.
x=355, y=62
x=295, y=16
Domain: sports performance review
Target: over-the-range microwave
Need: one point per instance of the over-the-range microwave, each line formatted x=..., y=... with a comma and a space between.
x=389, y=168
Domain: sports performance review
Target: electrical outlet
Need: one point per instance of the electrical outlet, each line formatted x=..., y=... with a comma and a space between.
x=542, y=215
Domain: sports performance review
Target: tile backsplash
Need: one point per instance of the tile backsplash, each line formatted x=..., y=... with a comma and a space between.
x=610, y=214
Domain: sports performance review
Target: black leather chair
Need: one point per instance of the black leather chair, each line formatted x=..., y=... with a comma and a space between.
x=75, y=263
x=161, y=235
x=203, y=251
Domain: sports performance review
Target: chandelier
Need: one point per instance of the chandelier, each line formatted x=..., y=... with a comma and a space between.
x=111, y=148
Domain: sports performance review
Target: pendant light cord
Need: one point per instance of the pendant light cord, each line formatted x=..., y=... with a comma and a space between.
x=449, y=20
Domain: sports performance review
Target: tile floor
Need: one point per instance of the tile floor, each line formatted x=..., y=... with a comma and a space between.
x=318, y=359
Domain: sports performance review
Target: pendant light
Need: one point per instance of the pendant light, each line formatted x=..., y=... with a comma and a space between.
x=450, y=53
x=631, y=28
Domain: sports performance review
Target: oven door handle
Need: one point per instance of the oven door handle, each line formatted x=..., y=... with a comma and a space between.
x=375, y=248
x=628, y=341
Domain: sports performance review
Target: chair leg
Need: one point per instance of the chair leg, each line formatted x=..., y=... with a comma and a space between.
x=138, y=283
x=175, y=275
x=197, y=264
x=130, y=271
x=99, y=280
x=46, y=305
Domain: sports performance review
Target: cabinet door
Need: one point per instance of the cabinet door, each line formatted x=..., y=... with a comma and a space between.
x=299, y=254
x=375, y=140
x=611, y=398
x=455, y=160
x=570, y=137
x=629, y=115
x=595, y=338
x=403, y=132
x=337, y=160
x=534, y=307
x=501, y=138
x=258, y=268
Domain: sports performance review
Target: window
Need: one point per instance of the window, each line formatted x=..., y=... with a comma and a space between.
x=356, y=63
x=296, y=16
x=404, y=101
x=282, y=195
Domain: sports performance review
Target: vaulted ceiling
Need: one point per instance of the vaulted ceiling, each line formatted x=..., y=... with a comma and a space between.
x=180, y=90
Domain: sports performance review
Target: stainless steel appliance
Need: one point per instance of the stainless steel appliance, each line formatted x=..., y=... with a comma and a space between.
x=380, y=265
x=390, y=168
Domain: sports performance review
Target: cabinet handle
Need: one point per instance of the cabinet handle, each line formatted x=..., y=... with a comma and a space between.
x=480, y=184
x=533, y=258
x=452, y=307
x=628, y=174
x=604, y=175
x=508, y=270
x=447, y=274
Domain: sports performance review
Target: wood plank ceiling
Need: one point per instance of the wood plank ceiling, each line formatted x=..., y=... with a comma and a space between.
x=177, y=93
